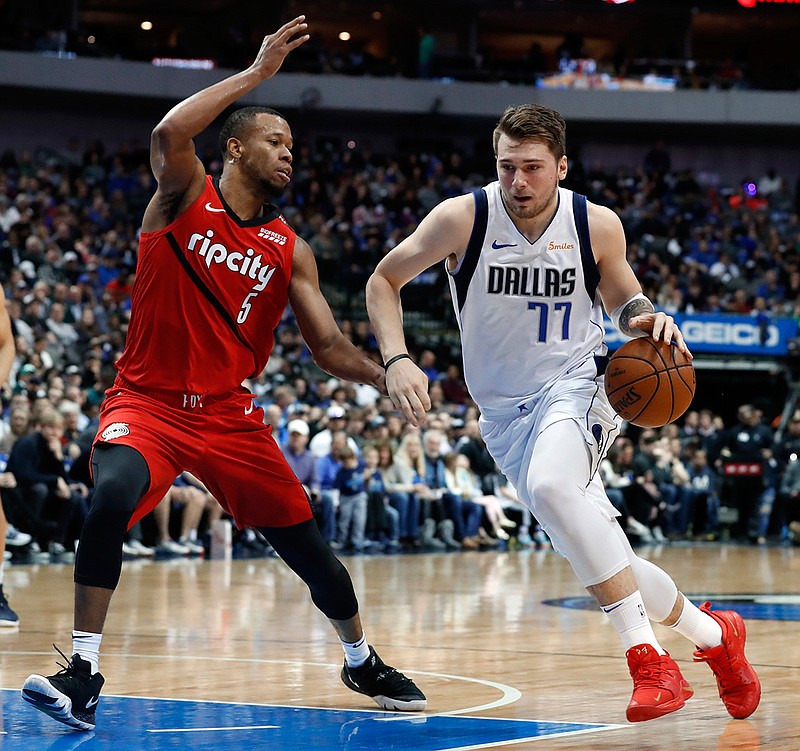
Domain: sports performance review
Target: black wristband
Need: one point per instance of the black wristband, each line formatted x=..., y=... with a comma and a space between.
x=394, y=359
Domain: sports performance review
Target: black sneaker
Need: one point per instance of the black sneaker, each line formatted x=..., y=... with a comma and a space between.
x=8, y=618
x=387, y=687
x=70, y=696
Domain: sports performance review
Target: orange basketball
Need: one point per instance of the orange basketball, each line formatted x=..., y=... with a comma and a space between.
x=649, y=383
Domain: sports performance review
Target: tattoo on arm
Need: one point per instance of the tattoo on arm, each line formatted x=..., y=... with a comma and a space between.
x=634, y=308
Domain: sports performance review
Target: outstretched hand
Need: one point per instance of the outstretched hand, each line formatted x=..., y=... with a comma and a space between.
x=408, y=389
x=277, y=46
x=661, y=326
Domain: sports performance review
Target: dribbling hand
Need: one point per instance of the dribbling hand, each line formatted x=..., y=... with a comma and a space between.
x=661, y=326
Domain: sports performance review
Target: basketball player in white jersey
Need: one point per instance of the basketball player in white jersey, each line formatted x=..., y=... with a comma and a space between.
x=531, y=266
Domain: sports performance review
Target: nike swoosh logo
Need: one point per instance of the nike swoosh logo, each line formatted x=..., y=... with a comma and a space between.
x=497, y=246
x=91, y=702
x=248, y=410
x=657, y=697
x=608, y=610
x=209, y=207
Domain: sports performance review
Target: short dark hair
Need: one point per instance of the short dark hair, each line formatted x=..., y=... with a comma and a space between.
x=534, y=122
x=239, y=121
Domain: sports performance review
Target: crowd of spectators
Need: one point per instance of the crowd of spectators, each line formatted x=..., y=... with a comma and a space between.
x=69, y=225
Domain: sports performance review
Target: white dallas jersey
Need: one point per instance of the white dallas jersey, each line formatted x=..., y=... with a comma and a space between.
x=529, y=313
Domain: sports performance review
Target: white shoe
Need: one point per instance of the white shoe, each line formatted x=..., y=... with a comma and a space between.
x=127, y=549
x=56, y=549
x=642, y=531
x=15, y=538
x=140, y=550
x=195, y=548
x=170, y=547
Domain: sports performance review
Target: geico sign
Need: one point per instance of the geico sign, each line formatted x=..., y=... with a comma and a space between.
x=733, y=334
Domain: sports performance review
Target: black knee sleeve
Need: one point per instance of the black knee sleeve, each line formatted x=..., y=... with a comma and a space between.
x=302, y=548
x=121, y=479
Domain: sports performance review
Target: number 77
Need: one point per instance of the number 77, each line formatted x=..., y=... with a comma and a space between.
x=543, y=309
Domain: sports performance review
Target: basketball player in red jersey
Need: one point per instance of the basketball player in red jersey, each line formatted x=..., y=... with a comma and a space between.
x=217, y=266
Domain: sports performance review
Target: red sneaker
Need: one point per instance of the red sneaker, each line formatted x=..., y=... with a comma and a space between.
x=738, y=684
x=658, y=686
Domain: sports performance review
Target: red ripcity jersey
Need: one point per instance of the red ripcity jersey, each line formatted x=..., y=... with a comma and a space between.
x=210, y=290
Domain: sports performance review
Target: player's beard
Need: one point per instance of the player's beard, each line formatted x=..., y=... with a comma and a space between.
x=530, y=210
x=272, y=190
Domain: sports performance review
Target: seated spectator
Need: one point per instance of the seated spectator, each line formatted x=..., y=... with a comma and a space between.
x=351, y=484
x=616, y=475
x=335, y=419
x=304, y=464
x=529, y=531
x=401, y=492
x=191, y=498
x=199, y=502
x=18, y=425
x=383, y=519
x=625, y=493
x=405, y=479
x=427, y=364
x=328, y=468
x=481, y=461
x=165, y=544
x=53, y=508
x=461, y=480
x=463, y=515
x=454, y=389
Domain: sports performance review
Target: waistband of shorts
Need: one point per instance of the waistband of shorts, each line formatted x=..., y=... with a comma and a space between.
x=526, y=406
x=186, y=400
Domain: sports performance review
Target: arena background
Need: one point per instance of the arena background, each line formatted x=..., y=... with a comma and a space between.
x=84, y=70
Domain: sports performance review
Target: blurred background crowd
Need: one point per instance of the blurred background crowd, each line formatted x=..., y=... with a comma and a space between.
x=69, y=224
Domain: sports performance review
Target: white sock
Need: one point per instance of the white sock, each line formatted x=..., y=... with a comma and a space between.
x=2, y=570
x=697, y=626
x=355, y=654
x=630, y=619
x=87, y=645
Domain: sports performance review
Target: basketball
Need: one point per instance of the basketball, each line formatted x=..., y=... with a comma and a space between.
x=649, y=383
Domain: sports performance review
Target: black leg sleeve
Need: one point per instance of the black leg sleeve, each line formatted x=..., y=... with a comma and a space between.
x=121, y=478
x=302, y=548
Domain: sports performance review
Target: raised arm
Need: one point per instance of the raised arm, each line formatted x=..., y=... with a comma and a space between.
x=633, y=314
x=444, y=233
x=330, y=348
x=180, y=174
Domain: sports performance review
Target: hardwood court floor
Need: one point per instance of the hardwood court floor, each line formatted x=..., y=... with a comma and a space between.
x=488, y=635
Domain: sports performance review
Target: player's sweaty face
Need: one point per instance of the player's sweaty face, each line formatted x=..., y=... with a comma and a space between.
x=528, y=174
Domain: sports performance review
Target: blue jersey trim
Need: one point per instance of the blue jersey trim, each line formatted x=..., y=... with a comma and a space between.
x=469, y=262
x=591, y=274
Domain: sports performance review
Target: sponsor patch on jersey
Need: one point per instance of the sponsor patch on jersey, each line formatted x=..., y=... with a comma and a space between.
x=275, y=237
x=115, y=430
x=560, y=246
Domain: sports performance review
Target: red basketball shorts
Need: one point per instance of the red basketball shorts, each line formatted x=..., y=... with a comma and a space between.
x=223, y=441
